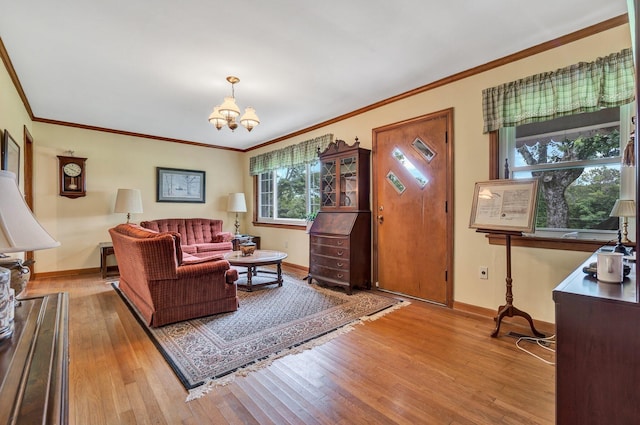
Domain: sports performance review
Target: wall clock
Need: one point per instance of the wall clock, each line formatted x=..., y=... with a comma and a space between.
x=72, y=176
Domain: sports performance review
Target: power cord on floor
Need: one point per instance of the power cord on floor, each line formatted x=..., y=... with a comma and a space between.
x=544, y=343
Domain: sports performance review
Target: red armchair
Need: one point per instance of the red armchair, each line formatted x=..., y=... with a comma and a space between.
x=167, y=285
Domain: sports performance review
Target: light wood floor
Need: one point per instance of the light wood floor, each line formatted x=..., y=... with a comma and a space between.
x=422, y=364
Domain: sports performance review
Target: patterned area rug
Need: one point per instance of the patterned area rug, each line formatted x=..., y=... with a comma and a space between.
x=270, y=323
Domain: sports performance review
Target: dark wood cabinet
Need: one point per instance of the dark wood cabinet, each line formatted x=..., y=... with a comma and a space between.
x=340, y=237
x=33, y=363
x=597, y=353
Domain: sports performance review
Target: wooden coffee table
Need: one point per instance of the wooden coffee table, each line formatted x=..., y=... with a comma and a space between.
x=251, y=262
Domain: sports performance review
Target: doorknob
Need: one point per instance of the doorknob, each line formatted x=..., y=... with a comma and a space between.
x=380, y=219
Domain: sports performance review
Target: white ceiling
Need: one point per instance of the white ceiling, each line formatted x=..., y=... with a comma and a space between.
x=158, y=67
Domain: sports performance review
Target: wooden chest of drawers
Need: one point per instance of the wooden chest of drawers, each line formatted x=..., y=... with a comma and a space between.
x=339, y=250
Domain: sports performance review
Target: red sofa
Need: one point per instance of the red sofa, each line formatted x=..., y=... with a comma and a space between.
x=199, y=236
x=167, y=285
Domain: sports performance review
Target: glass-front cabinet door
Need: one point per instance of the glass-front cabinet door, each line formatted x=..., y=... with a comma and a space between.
x=348, y=181
x=328, y=183
x=344, y=174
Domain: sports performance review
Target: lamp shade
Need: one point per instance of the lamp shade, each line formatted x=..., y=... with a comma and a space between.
x=19, y=229
x=128, y=201
x=624, y=208
x=217, y=119
x=249, y=119
x=236, y=203
x=229, y=109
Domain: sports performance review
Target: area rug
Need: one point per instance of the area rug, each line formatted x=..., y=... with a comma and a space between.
x=270, y=323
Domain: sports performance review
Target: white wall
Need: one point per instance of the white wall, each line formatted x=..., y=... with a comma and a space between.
x=116, y=161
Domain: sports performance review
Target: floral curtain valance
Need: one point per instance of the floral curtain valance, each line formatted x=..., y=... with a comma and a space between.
x=583, y=87
x=303, y=153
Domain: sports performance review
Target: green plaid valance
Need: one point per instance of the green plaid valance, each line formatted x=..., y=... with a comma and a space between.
x=303, y=153
x=583, y=87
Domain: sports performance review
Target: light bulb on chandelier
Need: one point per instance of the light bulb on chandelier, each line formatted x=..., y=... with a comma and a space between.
x=228, y=112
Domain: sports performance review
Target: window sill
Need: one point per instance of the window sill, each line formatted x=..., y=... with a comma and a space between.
x=280, y=226
x=550, y=243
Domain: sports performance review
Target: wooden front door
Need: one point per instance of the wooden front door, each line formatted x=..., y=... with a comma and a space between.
x=413, y=207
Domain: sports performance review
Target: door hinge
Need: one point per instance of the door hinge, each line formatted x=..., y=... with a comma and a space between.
x=446, y=207
x=446, y=137
x=446, y=275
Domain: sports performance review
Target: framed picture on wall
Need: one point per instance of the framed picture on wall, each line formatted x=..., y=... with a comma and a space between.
x=505, y=205
x=10, y=155
x=177, y=185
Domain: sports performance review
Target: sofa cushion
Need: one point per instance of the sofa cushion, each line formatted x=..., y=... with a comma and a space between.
x=190, y=249
x=210, y=247
x=192, y=259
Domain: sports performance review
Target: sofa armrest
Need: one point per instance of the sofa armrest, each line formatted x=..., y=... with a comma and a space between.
x=207, y=267
x=231, y=275
x=223, y=237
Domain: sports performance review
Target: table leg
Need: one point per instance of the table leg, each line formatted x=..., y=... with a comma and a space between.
x=103, y=262
x=251, y=270
x=279, y=268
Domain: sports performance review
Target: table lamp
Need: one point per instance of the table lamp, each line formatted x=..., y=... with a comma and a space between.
x=623, y=208
x=128, y=201
x=236, y=204
x=19, y=232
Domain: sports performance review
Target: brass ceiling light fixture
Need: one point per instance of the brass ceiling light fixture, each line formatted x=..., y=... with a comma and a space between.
x=228, y=112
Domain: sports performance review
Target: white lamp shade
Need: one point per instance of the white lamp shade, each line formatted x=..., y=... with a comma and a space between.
x=236, y=203
x=217, y=119
x=128, y=201
x=229, y=109
x=624, y=208
x=250, y=118
x=19, y=229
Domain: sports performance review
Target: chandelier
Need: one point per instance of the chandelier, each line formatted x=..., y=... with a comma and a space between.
x=227, y=113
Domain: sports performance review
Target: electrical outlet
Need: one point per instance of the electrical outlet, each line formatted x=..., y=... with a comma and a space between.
x=483, y=272
x=286, y=244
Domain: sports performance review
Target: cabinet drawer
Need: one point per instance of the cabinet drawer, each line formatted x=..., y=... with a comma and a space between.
x=329, y=251
x=335, y=263
x=320, y=272
x=326, y=240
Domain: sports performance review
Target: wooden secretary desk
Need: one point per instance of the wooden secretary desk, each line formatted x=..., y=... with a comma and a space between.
x=340, y=237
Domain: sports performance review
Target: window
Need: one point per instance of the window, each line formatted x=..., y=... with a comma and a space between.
x=287, y=195
x=578, y=161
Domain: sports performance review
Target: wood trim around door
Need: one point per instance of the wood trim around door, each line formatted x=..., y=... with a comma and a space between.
x=28, y=182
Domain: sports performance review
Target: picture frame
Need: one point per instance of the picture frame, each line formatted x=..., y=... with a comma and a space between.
x=10, y=156
x=179, y=185
x=505, y=205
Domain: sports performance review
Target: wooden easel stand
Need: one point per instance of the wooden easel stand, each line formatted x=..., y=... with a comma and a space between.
x=508, y=309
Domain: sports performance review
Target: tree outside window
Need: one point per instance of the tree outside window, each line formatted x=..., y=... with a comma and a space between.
x=577, y=161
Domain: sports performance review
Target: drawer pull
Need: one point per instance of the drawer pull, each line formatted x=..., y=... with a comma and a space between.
x=339, y=264
x=340, y=242
x=340, y=253
x=340, y=275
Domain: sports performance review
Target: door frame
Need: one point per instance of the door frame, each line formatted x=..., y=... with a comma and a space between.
x=28, y=183
x=448, y=115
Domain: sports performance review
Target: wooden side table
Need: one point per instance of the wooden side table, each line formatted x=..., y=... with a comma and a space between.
x=106, y=249
x=236, y=241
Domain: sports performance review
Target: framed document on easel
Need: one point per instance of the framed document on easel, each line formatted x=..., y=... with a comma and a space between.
x=506, y=205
